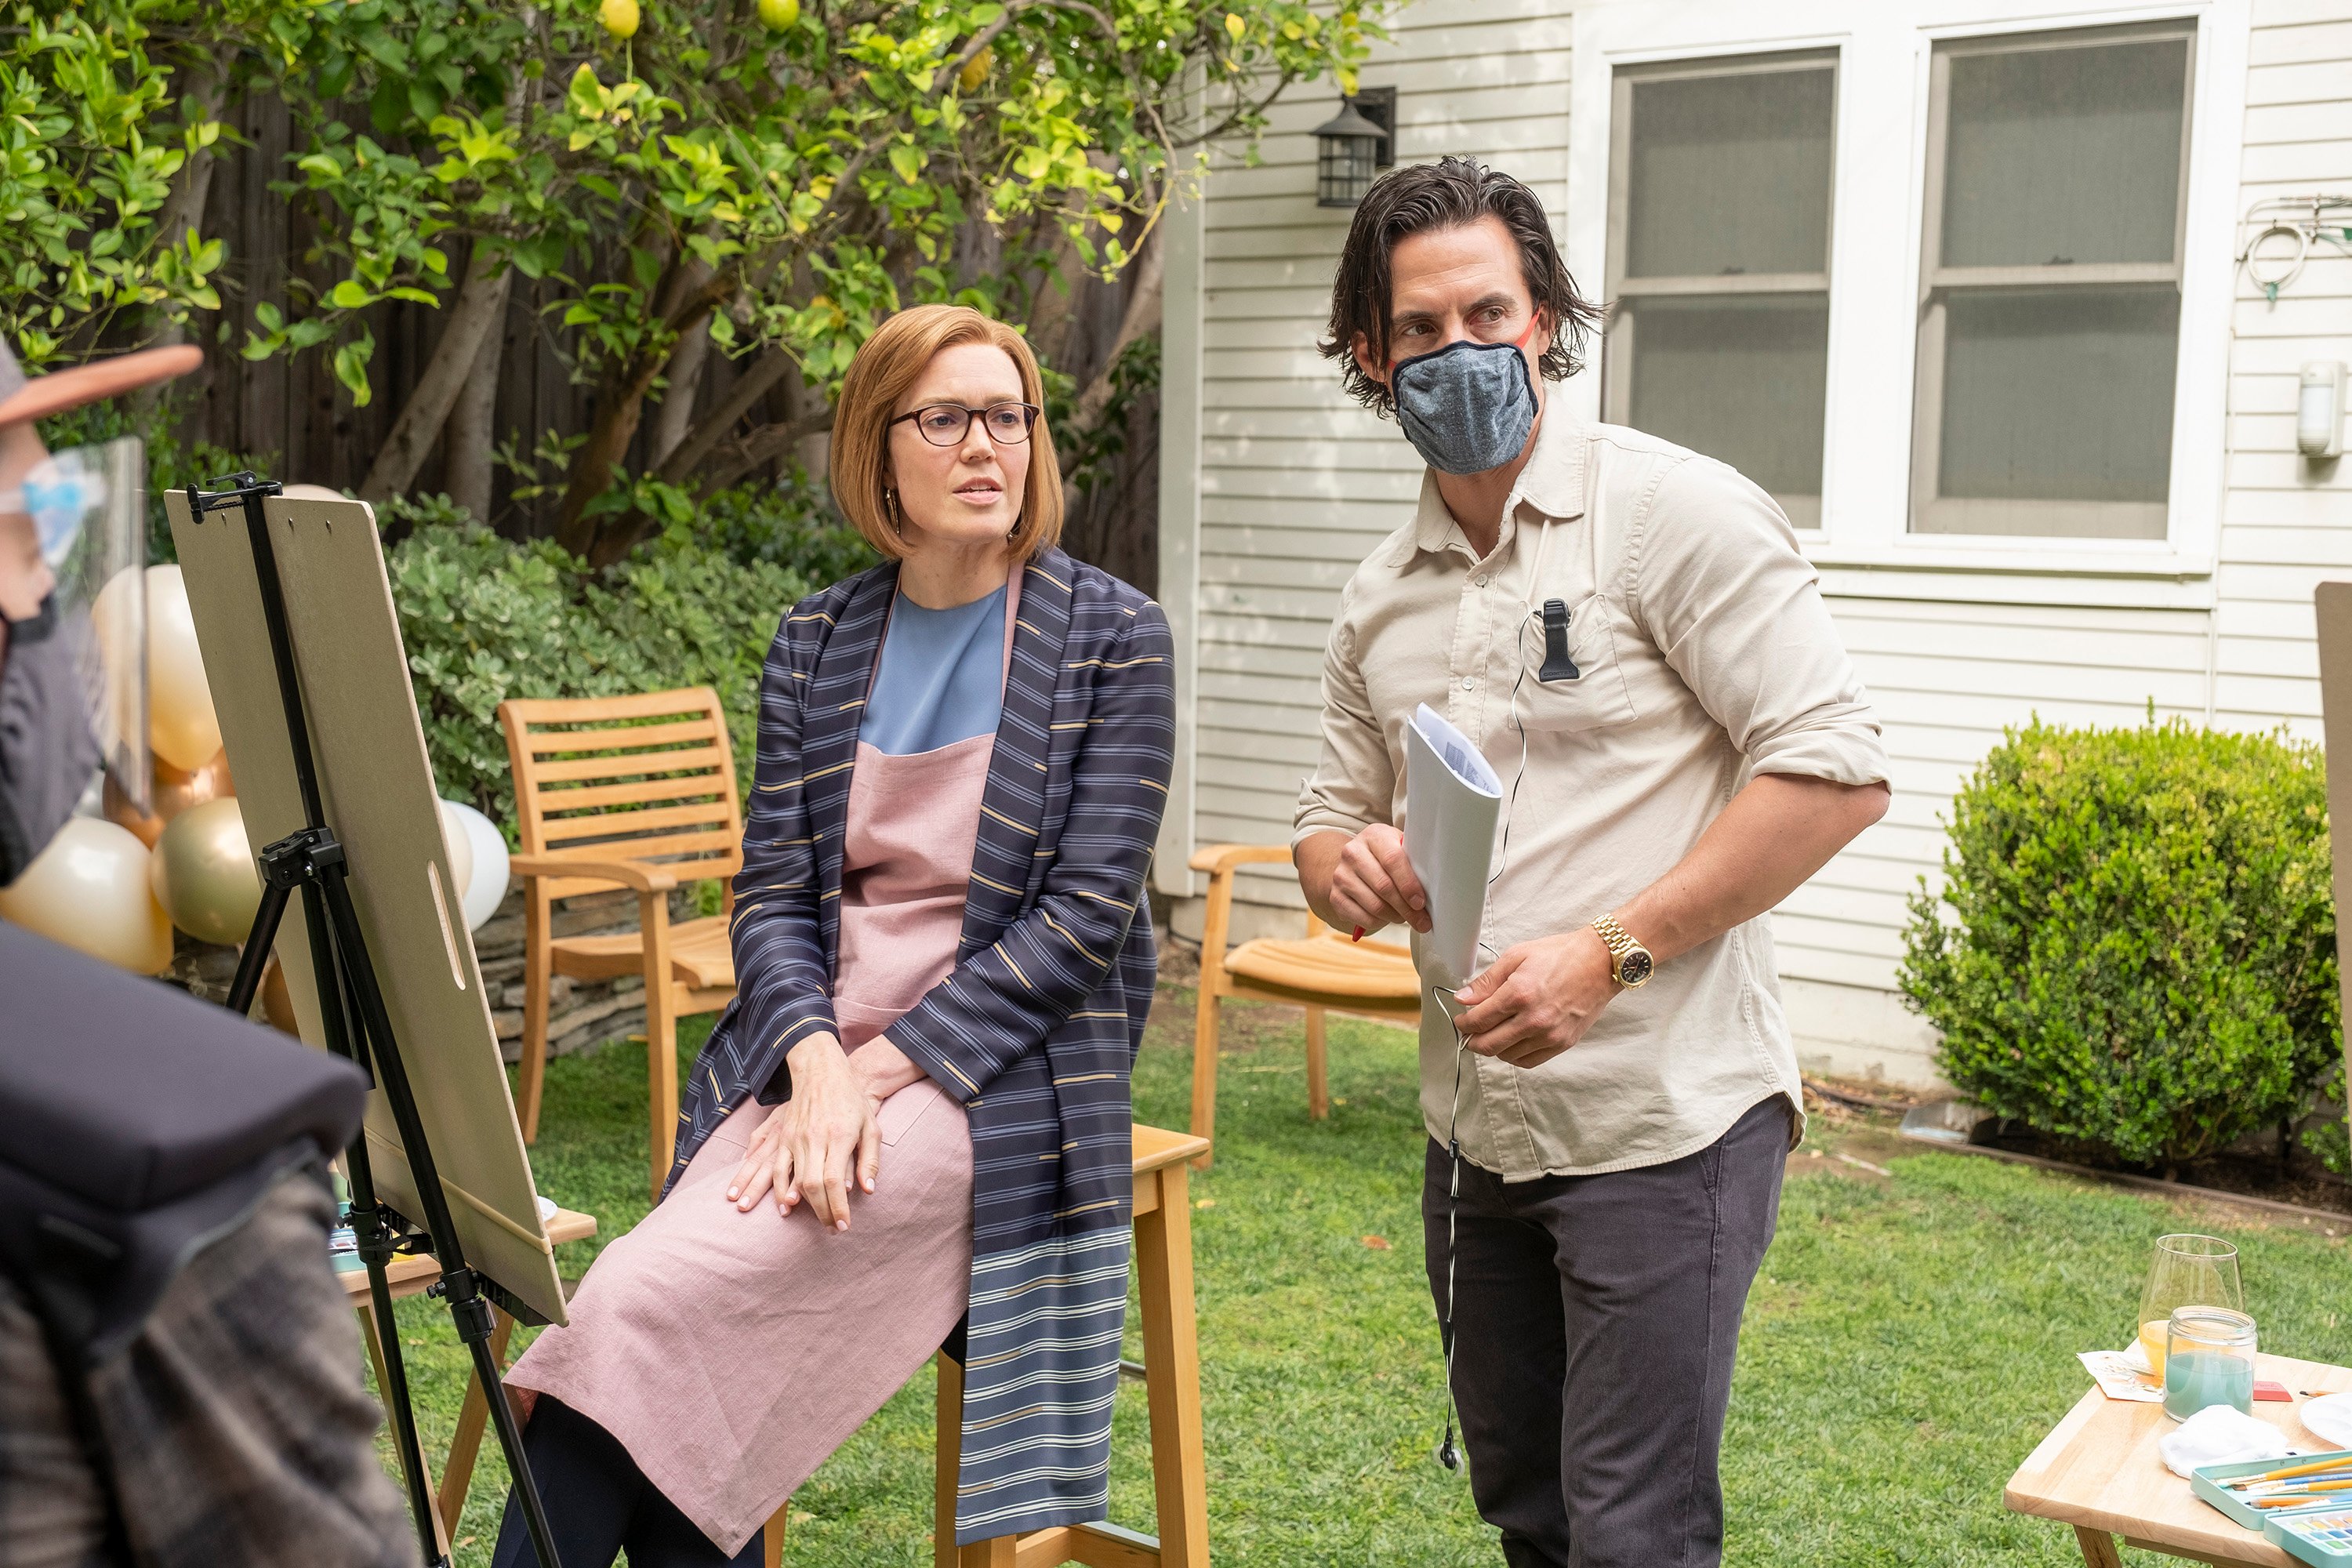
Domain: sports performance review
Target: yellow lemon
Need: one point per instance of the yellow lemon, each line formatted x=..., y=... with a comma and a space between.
x=976, y=69
x=779, y=15
x=619, y=16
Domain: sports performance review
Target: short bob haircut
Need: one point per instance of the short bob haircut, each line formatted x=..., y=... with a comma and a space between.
x=1452, y=193
x=885, y=367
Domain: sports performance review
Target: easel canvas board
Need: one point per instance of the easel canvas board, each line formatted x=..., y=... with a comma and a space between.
x=376, y=784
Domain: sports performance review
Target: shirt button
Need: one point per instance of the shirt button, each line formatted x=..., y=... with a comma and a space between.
x=1468, y=684
x=1482, y=580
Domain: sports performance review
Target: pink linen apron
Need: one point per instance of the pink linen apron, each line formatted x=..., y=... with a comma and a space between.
x=731, y=1353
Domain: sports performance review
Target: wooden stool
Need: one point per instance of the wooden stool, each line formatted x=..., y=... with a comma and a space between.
x=1164, y=1263
x=411, y=1276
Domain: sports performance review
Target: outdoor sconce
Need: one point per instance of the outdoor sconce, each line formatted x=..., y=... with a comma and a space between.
x=1354, y=146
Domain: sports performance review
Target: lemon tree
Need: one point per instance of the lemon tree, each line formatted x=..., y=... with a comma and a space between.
x=767, y=182
x=108, y=112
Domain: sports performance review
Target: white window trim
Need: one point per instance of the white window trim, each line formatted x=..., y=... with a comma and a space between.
x=1878, y=188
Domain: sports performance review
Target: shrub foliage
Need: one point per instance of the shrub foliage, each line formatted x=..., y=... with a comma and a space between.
x=2134, y=945
x=485, y=619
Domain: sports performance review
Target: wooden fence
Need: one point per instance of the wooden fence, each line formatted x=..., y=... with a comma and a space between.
x=294, y=417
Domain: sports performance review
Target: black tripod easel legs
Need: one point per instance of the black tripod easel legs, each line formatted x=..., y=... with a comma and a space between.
x=358, y=1027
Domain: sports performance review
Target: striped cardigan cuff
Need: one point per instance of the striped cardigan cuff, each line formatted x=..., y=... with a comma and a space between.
x=791, y=1020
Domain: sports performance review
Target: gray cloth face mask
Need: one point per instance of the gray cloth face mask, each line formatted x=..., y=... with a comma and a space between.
x=1466, y=407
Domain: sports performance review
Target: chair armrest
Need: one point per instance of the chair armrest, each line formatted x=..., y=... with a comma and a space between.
x=1218, y=858
x=637, y=874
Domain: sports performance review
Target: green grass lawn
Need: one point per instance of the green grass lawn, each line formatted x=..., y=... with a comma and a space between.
x=1912, y=1337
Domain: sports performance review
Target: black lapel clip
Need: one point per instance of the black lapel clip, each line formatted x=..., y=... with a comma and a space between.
x=1556, y=665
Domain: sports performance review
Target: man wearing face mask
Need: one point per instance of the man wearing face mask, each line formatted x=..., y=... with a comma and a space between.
x=1628, y=632
x=179, y=1367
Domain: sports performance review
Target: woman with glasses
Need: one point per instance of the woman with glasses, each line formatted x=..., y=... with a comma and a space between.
x=911, y=1130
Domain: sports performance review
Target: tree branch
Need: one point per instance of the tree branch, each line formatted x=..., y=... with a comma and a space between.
x=763, y=447
x=1141, y=316
x=481, y=302
x=750, y=387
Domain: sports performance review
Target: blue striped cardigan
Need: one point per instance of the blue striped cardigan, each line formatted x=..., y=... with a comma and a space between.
x=1036, y=1028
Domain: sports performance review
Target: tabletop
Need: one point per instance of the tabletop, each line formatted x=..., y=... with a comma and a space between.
x=2099, y=1470
x=412, y=1273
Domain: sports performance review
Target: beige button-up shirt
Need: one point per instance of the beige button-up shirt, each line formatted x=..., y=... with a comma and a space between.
x=1705, y=656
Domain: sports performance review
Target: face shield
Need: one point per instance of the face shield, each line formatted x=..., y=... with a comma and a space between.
x=73, y=670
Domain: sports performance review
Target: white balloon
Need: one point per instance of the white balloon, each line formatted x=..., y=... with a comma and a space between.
x=488, y=887
x=459, y=845
x=89, y=890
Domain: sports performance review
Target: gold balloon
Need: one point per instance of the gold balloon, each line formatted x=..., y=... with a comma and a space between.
x=276, y=1001
x=89, y=890
x=180, y=723
x=203, y=873
x=174, y=790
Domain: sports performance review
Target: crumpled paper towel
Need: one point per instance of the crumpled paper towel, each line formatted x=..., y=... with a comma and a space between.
x=2219, y=1434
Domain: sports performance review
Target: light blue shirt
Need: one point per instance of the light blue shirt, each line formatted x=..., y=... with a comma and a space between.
x=940, y=679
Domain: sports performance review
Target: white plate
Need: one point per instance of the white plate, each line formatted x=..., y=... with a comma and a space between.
x=2329, y=1416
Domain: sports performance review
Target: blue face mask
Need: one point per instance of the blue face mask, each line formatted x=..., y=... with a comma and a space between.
x=1466, y=407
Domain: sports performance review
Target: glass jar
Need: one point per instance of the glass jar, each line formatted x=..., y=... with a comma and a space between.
x=2187, y=1271
x=2208, y=1359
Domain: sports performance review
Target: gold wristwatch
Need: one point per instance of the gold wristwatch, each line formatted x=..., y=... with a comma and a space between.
x=1630, y=963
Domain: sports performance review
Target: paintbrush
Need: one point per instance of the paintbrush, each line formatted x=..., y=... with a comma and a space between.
x=2332, y=1483
x=2335, y=1462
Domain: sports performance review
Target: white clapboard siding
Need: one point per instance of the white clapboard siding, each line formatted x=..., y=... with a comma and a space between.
x=1296, y=485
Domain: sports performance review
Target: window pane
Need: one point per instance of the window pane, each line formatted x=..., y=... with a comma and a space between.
x=2060, y=396
x=2065, y=154
x=1730, y=174
x=1738, y=377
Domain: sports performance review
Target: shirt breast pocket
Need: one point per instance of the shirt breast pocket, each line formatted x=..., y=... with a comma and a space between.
x=1570, y=675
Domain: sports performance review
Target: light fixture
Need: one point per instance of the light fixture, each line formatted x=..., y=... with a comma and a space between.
x=1351, y=151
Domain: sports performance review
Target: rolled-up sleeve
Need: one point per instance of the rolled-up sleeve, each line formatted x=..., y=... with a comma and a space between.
x=1355, y=778
x=1737, y=611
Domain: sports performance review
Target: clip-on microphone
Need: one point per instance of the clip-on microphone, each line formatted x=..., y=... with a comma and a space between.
x=1556, y=665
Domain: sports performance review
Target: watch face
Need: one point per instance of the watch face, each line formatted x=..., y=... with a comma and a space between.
x=1634, y=967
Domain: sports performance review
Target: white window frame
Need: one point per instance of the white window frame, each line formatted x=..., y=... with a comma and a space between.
x=1616, y=357
x=1879, y=183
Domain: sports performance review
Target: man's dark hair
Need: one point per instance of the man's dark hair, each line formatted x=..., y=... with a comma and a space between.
x=1449, y=193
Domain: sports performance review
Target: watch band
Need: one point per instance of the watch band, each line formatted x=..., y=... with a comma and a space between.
x=1630, y=964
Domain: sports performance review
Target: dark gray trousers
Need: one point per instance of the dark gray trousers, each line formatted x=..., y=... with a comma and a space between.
x=1595, y=1320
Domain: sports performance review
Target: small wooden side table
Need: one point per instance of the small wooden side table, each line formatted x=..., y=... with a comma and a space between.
x=411, y=1276
x=2099, y=1471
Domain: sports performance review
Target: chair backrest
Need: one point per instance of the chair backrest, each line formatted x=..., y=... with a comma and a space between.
x=647, y=777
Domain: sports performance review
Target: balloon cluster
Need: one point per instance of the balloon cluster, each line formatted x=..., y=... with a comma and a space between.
x=114, y=887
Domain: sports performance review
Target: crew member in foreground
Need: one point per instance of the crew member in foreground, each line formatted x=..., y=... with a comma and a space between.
x=1628, y=632
x=916, y=1114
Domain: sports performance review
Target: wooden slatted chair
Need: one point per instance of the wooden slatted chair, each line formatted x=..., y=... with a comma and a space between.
x=636, y=793
x=1320, y=972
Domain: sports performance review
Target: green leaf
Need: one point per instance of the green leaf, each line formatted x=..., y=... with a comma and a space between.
x=349, y=295
x=351, y=369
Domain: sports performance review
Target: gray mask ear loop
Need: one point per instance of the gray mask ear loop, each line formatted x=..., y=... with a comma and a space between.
x=1448, y=1454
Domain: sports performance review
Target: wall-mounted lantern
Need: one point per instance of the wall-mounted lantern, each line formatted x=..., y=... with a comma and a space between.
x=1354, y=146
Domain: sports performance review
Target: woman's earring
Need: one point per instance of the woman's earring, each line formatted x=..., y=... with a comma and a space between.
x=890, y=499
x=1013, y=532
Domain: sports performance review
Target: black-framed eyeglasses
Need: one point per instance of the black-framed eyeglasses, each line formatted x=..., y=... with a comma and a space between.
x=947, y=424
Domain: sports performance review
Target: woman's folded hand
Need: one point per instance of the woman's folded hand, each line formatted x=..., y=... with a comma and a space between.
x=810, y=1144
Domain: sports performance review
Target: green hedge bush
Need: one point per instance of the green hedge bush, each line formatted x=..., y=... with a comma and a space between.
x=485, y=619
x=2134, y=946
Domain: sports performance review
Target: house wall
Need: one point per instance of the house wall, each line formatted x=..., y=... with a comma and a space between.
x=1290, y=485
